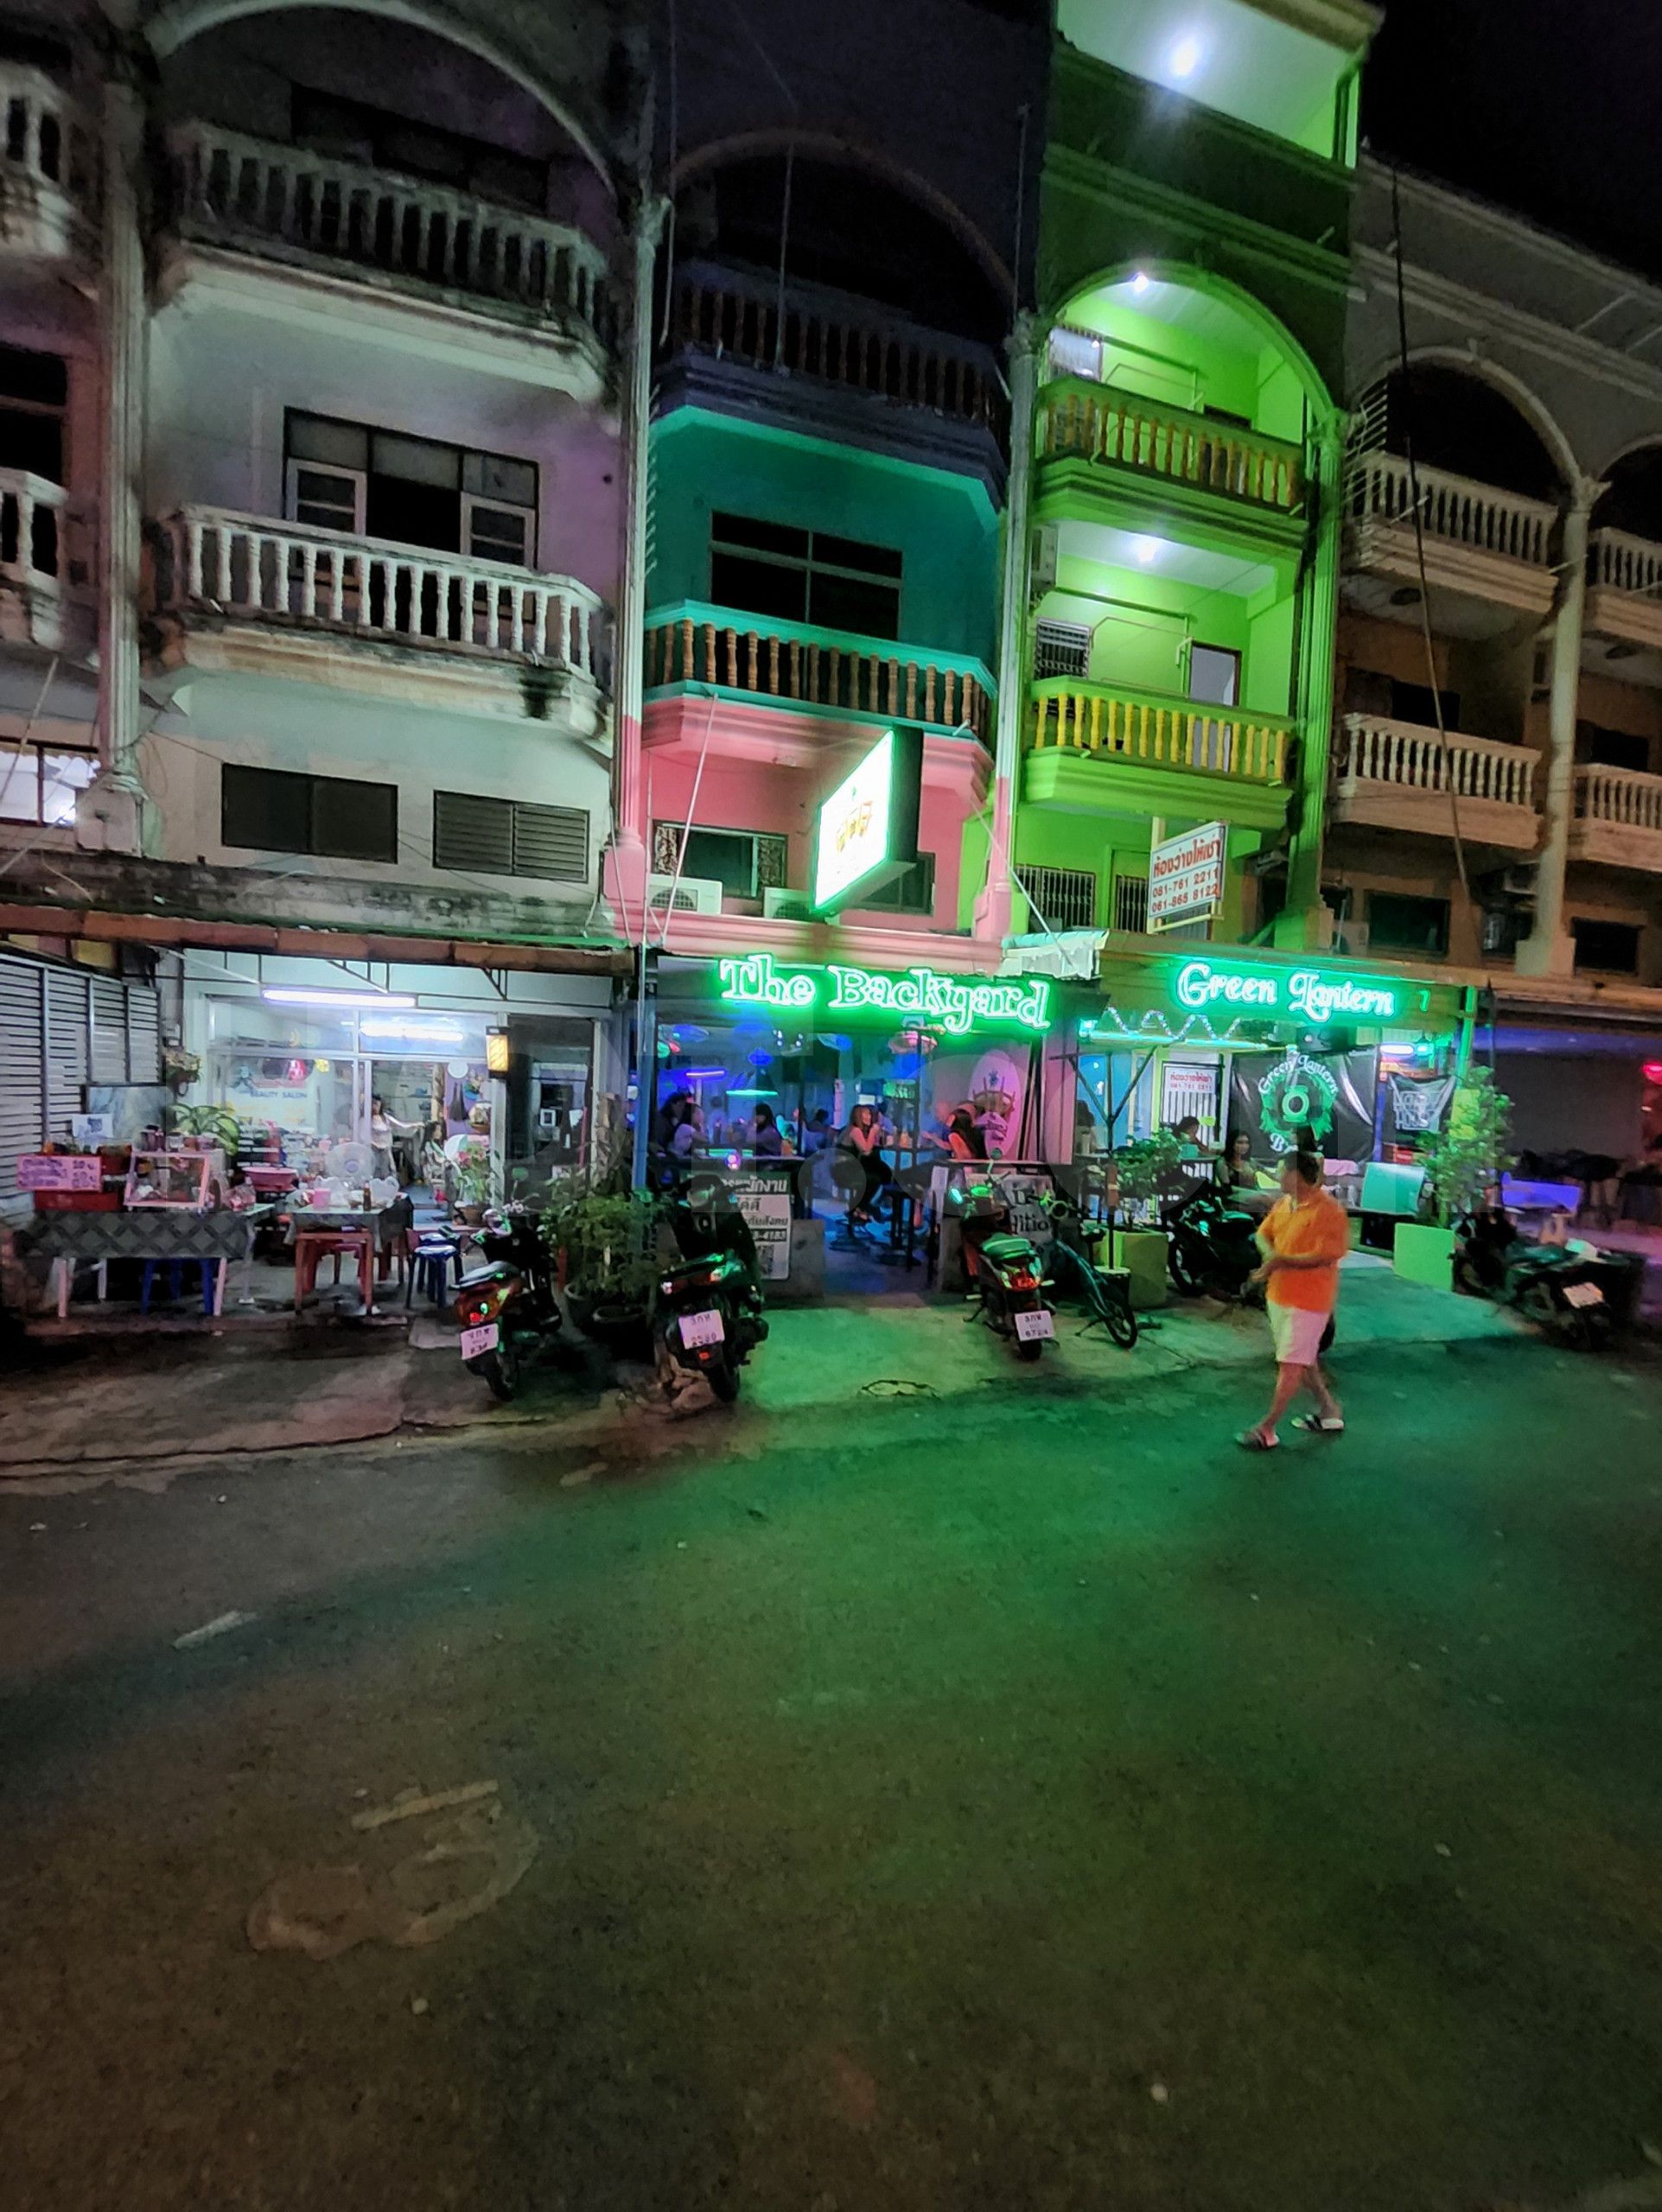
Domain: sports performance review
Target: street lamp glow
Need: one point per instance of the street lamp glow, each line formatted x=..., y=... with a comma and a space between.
x=1185, y=57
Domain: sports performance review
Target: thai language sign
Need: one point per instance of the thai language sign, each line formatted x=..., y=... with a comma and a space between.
x=1186, y=875
x=59, y=1170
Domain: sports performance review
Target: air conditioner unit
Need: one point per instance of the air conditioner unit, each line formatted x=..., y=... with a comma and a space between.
x=782, y=906
x=685, y=894
x=1350, y=937
x=1041, y=576
x=1519, y=882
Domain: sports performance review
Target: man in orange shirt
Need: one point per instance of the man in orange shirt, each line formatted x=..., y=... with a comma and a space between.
x=1304, y=1238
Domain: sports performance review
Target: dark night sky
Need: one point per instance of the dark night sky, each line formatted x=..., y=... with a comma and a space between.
x=1553, y=107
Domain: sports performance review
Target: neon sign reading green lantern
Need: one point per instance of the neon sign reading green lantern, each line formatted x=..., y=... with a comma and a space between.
x=953, y=1003
x=1305, y=992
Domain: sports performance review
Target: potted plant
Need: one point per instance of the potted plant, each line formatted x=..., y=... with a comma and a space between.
x=605, y=1240
x=1143, y=1169
x=471, y=1177
x=1463, y=1162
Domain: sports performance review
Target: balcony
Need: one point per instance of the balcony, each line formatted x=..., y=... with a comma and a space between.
x=835, y=363
x=1079, y=420
x=1624, y=604
x=47, y=168
x=816, y=671
x=1094, y=748
x=393, y=235
x=1618, y=819
x=1397, y=776
x=1490, y=550
x=45, y=563
x=257, y=594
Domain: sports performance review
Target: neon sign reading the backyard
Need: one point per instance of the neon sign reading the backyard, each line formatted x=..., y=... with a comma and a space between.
x=920, y=995
x=1306, y=992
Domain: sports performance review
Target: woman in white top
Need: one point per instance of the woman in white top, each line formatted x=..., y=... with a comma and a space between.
x=382, y=1130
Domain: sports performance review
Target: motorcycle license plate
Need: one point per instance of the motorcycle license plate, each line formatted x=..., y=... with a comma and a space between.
x=1582, y=1293
x=483, y=1339
x=1040, y=1323
x=705, y=1328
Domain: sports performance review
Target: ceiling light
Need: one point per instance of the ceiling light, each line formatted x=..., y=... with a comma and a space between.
x=1147, y=550
x=346, y=1001
x=426, y=1033
x=1140, y=282
x=1185, y=57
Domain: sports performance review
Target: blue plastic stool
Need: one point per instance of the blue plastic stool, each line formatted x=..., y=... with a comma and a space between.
x=175, y=1280
x=430, y=1269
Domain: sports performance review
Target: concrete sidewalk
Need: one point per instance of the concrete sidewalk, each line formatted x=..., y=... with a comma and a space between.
x=899, y=1345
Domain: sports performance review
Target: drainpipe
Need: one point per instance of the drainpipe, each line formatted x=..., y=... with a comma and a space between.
x=1295, y=926
x=1548, y=951
x=110, y=817
x=992, y=910
x=626, y=868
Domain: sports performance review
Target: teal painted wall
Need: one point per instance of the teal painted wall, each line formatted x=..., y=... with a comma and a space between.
x=944, y=524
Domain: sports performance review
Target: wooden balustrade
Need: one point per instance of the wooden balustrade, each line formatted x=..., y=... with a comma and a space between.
x=1079, y=420
x=1098, y=718
x=716, y=312
x=44, y=138
x=1372, y=749
x=288, y=200
x=247, y=568
x=1623, y=564
x=1452, y=508
x=827, y=668
x=1622, y=798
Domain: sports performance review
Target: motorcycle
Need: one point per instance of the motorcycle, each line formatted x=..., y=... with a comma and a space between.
x=1071, y=1269
x=507, y=1308
x=1006, y=1272
x=1211, y=1247
x=1582, y=1297
x=709, y=1316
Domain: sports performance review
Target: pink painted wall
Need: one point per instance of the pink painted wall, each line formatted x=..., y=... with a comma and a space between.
x=740, y=792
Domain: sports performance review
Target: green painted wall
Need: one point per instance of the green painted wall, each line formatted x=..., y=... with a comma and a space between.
x=1144, y=625
x=942, y=524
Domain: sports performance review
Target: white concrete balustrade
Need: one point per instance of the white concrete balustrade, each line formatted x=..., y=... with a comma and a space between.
x=1452, y=509
x=44, y=139
x=294, y=204
x=44, y=560
x=1401, y=776
x=1627, y=564
x=248, y=569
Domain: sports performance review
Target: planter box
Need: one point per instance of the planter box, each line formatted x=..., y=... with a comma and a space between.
x=1423, y=1253
x=1142, y=1253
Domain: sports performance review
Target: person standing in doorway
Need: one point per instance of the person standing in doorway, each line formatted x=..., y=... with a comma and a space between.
x=1304, y=1236
x=383, y=1127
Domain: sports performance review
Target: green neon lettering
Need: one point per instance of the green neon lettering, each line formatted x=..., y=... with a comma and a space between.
x=921, y=995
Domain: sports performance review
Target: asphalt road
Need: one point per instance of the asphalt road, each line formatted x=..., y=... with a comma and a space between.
x=1021, y=1801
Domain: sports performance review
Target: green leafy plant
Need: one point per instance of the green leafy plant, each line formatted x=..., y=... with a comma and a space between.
x=472, y=1173
x=609, y=1237
x=1470, y=1154
x=216, y=1121
x=1146, y=1166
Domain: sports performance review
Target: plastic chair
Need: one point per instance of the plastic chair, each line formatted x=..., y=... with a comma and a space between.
x=175, y=1282
x=430, y=1260
x=313, y=1246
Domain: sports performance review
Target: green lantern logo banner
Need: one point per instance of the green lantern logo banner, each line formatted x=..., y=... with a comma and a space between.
x=1297, y=1094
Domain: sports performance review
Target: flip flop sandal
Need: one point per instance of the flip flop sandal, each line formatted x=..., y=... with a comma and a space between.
x=1252, y=1439
x=1316, y=1426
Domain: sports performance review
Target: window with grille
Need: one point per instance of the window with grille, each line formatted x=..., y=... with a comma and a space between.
x=911, y=893
x=745, y=862
x=336, y=817
x=1060, y=649
x=510, y=836
x=805, y=576
x=1130, y=902
x=1062, y=897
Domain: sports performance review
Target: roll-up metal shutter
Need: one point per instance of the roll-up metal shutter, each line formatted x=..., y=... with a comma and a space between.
x=143, y=1034
x=109, y=1040
x=22, y=983
x=65, y=1051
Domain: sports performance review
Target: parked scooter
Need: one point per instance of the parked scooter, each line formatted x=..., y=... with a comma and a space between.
x=507, y=1308
x=1006, y=1272
x=1211, y=1247
x=1070, y=1270
x=709, y=1309
x=1577, y=1295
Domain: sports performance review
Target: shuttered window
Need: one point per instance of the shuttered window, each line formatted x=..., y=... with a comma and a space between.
x=509, y=837
x=61, y=1029
x=21, y=986
x=338, y=817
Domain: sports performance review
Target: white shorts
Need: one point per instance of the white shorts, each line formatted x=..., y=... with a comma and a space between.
x=1297, y=1334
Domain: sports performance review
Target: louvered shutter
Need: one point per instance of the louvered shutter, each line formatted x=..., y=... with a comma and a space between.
x=66, y=1040
x=550, y=840
x=471, y=832
x=109, y=1041
x=144, y=1035
x=21, y=985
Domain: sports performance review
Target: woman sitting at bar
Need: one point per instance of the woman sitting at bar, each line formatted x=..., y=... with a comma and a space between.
x=862, y=1142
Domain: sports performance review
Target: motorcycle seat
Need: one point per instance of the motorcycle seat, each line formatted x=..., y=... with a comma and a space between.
x=497, y=1271
x=722, y=1265
x=1008, y=1248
